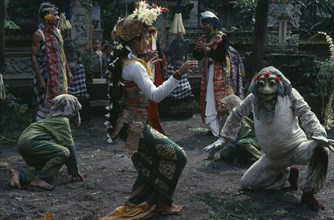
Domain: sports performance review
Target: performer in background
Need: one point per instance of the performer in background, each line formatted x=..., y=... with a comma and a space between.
x=52, y=73
x=222, y=70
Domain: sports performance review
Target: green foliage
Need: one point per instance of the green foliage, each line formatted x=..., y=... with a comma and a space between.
x=14, y=118
x=109, y=16
x=10, y=25
x=316, y=15
x=324, y=84
x=244, y=14
x=325, y=75
x=325, y=78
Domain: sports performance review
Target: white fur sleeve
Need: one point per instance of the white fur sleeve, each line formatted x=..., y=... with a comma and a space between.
x=233, y=121
x=137, y=73
x=308, y=120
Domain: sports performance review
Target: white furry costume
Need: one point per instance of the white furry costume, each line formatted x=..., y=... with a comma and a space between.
x=283, y=141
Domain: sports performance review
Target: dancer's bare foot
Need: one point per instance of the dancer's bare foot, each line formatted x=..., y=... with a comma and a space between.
x=311, y=202
x=171, y=209
x=14, y=179
x=41, y=184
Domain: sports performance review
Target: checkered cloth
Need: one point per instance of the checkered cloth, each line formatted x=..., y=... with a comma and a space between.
x=183, y=89
x=78, y=86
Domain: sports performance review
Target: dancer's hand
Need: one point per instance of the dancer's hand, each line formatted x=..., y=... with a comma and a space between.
x=70, y=77
x=323, y=141
x=200, y=46
x=217, y=144
x=77, y=178
x=188, y=67
x=214, y=147
x=151, y=53
x=151, y=63
x=42, y=86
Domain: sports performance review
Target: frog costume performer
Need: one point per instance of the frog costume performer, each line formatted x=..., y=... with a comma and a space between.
x=289, y=134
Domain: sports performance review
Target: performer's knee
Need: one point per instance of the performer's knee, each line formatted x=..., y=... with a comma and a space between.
x=64, y=154
x=245, y=184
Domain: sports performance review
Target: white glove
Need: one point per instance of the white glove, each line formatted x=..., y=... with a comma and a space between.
x=214, y=147
x=323, y=141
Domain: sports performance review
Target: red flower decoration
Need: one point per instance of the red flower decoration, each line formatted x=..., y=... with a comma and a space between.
x=277, y=80
x=257, y=77
x=164, y=9
x=266, y=75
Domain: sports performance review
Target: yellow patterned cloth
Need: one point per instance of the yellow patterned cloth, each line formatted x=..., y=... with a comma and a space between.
x=131, y=212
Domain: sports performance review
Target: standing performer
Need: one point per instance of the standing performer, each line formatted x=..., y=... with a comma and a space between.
x=278, y=112
x=158, y=160
x=52, y=74
x=222, y=70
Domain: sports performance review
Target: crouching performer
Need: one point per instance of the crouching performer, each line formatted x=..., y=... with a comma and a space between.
x=246, y=149
x=278, y=109
x=46, y=145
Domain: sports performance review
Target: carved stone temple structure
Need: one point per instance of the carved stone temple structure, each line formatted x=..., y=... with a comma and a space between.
x=283, y=20
x=282, y=48
x=81, y=21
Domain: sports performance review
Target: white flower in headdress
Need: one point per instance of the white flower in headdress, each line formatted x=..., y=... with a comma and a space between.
x=146, y=13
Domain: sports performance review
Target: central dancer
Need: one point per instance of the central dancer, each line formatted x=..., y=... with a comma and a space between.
x=158, y=160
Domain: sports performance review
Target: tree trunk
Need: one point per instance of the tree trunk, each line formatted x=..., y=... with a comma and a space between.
x=260, y=29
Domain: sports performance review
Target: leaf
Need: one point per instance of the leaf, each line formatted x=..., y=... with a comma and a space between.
x=11, y=25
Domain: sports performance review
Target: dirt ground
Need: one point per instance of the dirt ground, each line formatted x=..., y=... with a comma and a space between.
x=207, y=189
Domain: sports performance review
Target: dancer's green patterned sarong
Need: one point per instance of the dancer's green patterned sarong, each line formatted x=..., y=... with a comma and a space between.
x=159, y=162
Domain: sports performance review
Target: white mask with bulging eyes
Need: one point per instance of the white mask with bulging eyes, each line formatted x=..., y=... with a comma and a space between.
x=267, y=87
